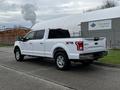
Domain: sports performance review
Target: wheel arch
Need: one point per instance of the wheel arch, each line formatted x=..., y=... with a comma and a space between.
x=16, y=47
x=59, y=49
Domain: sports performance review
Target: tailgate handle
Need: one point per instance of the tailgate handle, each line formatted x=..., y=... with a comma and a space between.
x=96, y=38
x=96, y=43
x=41, y=43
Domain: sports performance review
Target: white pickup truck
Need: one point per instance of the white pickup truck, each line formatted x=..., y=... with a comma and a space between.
x=57, y=44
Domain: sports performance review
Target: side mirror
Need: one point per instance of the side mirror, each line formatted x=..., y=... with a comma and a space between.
x=19, y=38
x=24, y=39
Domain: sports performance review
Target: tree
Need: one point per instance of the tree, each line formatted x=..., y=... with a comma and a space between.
x=106, y=4
x=109, y=4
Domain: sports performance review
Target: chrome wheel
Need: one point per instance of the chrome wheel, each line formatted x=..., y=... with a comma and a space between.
x=17, y=54
x=60, y=61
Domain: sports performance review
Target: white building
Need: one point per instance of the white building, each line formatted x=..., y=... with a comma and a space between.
x=109, y=19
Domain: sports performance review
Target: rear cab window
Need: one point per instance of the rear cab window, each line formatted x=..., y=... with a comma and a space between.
x=58, y=33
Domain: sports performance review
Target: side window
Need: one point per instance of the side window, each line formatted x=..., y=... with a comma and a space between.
x=30, y=36
x=39, y=34
x=58, y=33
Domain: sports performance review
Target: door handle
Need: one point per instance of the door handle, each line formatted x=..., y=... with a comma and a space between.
x=41, y=43
x=30, y=43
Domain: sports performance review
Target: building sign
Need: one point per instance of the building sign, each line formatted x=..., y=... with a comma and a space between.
x=100, y=25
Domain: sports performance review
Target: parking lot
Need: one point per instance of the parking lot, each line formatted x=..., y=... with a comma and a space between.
x=41, y=74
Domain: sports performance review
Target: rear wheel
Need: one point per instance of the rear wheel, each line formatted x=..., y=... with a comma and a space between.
x=62, y=62
x=18, y=55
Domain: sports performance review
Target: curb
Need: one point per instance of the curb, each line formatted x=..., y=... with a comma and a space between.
x=107, y=65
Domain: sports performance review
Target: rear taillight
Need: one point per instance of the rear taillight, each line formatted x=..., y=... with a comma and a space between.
x=80, y=46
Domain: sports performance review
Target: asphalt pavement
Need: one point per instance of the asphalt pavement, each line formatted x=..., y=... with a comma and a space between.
x=41, y=74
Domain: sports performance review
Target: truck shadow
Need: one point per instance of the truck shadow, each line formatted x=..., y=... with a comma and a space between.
x=51, y=64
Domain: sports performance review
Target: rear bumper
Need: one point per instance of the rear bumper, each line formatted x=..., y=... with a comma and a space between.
x=93, y=56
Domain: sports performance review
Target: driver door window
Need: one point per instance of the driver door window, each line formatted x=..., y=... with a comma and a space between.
x=30, y=36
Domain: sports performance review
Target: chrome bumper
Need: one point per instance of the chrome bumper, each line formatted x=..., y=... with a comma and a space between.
x=93, y=55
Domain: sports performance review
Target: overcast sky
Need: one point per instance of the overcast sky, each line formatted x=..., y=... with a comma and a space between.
x=10, y=10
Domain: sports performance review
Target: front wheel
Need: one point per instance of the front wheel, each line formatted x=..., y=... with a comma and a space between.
x=62, y=62
x=18, y=55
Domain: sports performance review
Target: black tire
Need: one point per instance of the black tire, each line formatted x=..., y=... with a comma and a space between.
x=62, y=62
x=87, y=63
x=18, y=55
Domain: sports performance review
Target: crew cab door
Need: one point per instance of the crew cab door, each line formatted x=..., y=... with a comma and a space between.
x=27, y=43
x=38, y=43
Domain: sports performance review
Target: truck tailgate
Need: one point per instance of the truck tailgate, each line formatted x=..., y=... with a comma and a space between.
x=94, y=44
